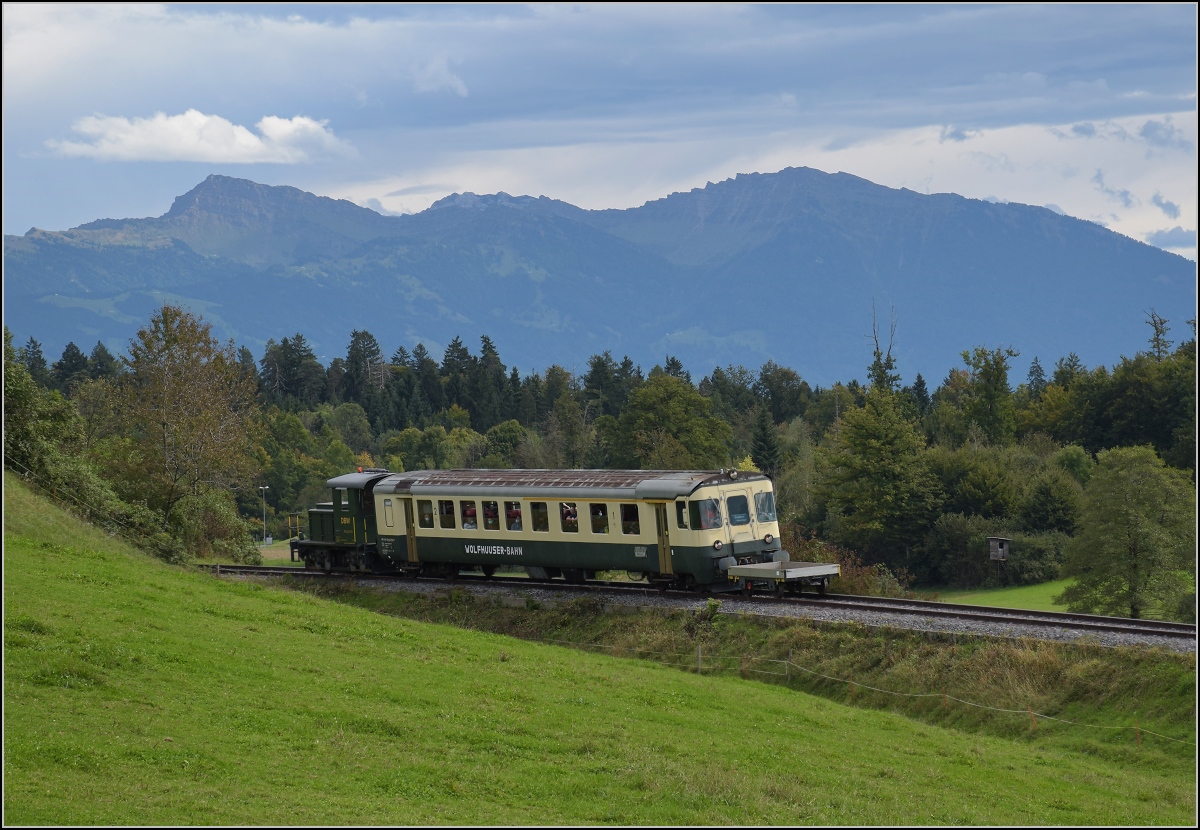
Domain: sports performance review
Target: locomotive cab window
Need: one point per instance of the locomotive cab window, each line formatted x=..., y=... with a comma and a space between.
x=681, y=514
x=512, y=515
x=629, y=520
x=599, y=518
x=739, y=510
x=706, y=514
x=446, y=513
x=469, y=518
x=764, y=505
x=387, y=513
x=540, y=516
x=570, y=517
x=491, y=515
x=424, y=513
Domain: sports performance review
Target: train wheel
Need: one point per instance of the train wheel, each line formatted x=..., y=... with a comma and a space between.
x=779, y=590
x=635, y=576
x=823, y=587
x=489, y=571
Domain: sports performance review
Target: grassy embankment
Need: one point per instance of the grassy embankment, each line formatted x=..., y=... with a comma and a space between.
x=138, y=693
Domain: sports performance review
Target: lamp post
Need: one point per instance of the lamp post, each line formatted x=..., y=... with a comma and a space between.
x=263, y=488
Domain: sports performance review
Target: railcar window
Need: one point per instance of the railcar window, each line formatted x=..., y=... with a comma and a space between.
x=681, y=514
x=387, y=513
x=446, y=513
x=739, y=510
x=629, y=520
x=764, y=505
x=706, y=514
x=469, y=518
x=570, y=517
x=424, y=513
x=512, y=515
x=491, y=516
x=599, y=518
x=540, y=515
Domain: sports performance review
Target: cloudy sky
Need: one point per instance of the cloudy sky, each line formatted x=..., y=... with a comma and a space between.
x=112, y=111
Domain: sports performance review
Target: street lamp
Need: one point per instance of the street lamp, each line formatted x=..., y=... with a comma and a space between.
x=264, y=488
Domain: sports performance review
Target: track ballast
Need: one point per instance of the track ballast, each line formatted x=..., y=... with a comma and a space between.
x=870, y=611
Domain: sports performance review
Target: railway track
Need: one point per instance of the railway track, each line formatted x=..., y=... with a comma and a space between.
x=1079, y=623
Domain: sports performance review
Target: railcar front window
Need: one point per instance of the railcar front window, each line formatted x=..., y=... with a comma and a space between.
x=629, y=520
x=491, y=515
x=446, y=513
x=469, y=517
x=599, y=518
x=739, y=510
x=512, y=515
x=540, y=515
x=424, y=513
x=570, y=517
x=706, y=513
x=387, y=513
x=764, y=505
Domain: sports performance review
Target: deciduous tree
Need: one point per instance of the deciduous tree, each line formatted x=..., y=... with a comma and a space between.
x=191, y=409
x=1137, y=535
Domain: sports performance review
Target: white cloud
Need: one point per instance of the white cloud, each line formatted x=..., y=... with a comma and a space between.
x=195, y=136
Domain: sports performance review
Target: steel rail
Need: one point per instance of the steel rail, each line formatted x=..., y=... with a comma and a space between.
x=979, y=613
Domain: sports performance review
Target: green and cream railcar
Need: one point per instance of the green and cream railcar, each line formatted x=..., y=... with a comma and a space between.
x=683, y=528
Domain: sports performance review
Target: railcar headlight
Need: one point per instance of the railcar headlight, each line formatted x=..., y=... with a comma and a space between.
x=733, y=473
x=717, y=545
x=769, y=538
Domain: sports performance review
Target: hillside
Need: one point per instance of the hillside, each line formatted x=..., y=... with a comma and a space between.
x=139, y=693
x=783, y=266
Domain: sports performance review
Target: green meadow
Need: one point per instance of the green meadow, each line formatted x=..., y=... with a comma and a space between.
x=141, y=693
x=1027, y=597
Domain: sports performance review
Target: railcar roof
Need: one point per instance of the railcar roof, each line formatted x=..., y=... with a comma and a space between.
x=357, y=481
x=640, y=484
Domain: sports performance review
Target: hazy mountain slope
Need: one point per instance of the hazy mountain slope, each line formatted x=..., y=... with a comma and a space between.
x=783, y=266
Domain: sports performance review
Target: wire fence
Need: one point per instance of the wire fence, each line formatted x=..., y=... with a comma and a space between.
x=682, y=660
x=745, y=665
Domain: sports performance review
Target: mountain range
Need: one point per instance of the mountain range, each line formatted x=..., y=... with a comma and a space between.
x=787, y=266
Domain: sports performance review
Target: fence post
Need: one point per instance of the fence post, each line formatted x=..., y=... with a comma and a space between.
x=1032, y=719
x=699, y=659
x=851, y=687
x=788, y=667
x=1137, y=732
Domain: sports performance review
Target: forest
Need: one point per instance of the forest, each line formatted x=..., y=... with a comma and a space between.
x=186, y=442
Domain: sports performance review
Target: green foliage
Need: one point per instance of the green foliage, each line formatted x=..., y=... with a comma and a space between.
x=1052, y=503
x=191, y=410
x=988, y=401
x=667, y=426
x=880, y=493
x=1136, y=533
x=765, y=450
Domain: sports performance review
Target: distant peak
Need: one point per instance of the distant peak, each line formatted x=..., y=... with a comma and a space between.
x=476, y=201
x=226, y=195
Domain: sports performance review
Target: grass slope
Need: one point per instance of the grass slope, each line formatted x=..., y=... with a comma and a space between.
x=137, y=693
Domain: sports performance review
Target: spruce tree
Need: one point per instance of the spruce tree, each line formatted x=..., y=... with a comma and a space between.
x=764, y=452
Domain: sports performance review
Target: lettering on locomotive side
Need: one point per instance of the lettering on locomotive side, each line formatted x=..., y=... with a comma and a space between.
x=494, y=550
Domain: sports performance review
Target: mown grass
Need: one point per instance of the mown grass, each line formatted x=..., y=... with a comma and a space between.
x=138, y=693
x=1026, y=597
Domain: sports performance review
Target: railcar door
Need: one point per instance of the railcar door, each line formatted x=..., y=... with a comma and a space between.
x=410, y=530
x=739, y=511
x=664, y=539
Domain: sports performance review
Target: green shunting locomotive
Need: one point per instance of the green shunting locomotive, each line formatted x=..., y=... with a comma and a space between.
x=709, y=529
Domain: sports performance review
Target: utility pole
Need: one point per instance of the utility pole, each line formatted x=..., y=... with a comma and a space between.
x=263, y=488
